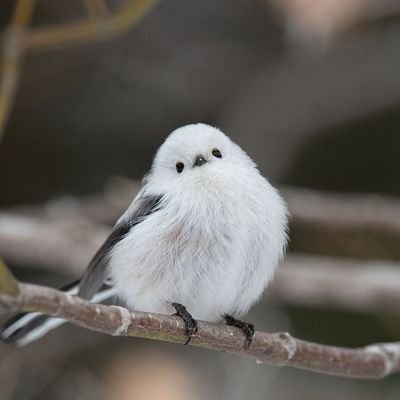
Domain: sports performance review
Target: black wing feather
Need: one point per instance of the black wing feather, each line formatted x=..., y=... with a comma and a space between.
x=94, y=275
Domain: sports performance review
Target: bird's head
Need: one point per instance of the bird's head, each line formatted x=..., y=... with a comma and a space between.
x=198, y=154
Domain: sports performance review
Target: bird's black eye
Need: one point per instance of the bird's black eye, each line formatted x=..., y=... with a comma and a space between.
x=180, y=166
x=216, y=153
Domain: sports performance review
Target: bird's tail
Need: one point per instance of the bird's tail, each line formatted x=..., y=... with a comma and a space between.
x=27, y=327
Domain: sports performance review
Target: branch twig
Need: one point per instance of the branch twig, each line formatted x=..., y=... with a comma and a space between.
x=11, y=57
x=375, y=361
x=18, y=39
x=108, y=26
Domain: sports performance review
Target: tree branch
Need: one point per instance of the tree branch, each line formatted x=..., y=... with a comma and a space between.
x=375, y=361
x=8, y=285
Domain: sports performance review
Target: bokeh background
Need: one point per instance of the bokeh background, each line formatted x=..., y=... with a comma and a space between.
x=309, y=88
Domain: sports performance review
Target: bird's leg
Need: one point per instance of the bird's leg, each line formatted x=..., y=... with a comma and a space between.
x=190, y=322
x=247, y=329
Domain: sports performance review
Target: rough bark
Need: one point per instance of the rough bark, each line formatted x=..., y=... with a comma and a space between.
x=375, y=361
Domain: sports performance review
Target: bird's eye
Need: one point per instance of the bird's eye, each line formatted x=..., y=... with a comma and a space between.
x=216, y=153
x=180, y=166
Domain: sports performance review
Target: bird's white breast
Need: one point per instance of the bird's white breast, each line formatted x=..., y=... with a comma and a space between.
x=208, y=249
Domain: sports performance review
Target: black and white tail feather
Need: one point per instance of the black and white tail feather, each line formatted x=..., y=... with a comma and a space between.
x=27, y=327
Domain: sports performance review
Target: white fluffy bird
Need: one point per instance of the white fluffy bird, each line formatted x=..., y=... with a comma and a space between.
x=205, y=233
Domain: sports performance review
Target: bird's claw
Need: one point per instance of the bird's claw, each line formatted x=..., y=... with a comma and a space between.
x=190, y=322
x=246, y=328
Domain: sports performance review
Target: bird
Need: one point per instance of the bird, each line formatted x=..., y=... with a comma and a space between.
x=201, y=239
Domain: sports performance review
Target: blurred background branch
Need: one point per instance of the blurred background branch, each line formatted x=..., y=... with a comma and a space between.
x=13, y=46
x=18, y=38
x=101, y=24
x=335, y=283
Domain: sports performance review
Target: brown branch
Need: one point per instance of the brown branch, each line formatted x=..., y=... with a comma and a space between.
x=8, y=285
x=11, y=57
x=19, y=38
x=375, y=361
x=93, y=28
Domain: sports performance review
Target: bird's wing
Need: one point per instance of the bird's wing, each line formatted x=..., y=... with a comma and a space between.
x=95, y=274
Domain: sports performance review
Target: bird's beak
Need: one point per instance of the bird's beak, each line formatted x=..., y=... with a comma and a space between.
x=199, y=161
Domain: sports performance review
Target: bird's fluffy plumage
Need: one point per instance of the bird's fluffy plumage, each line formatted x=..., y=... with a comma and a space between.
x=216, y=238
x=209, y=237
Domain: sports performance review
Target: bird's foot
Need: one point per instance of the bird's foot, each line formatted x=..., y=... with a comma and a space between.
x=190, y=322
x=247, y=329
